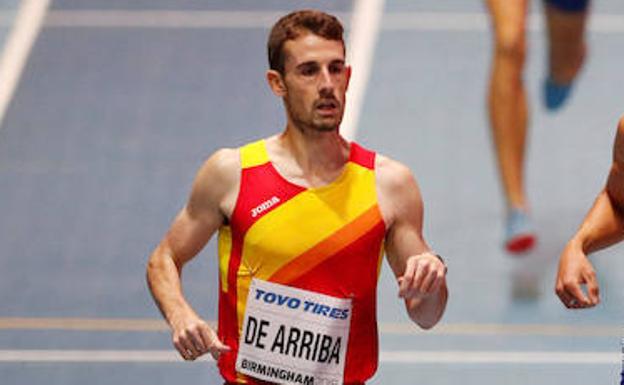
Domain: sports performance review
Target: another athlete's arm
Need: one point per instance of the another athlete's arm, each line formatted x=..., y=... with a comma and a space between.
x=602, y=227
x=421, y=275
x=190, y=231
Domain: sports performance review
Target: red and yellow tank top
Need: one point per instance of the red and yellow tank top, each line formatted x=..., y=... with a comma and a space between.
x=328, y=240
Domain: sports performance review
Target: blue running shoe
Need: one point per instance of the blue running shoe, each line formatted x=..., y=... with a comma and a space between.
x=520, y=236
x=555, y=94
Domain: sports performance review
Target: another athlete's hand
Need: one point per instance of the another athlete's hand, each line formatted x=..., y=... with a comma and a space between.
x=193, y=337
x=424, y=275
x=576, y=270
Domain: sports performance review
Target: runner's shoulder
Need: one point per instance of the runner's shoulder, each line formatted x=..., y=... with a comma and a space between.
x=392, y=174
x=223, y=163
x=219, y=173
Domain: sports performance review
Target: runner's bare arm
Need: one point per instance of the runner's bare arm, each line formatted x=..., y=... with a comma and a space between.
x=602, y=227
x=421, y=275
x=209, y=202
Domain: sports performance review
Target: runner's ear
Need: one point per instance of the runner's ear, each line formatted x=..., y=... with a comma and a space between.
x=276, y=82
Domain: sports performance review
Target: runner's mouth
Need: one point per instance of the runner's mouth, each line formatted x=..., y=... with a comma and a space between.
x=327, y=106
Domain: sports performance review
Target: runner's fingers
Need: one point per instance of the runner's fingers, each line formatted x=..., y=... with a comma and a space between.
x=215, y=353
x=188, y=344
x=178, y=347
x=405, y=282
x=428, y=281
x=592, y=289
x=214, y=344
x=197, y=341
x=571, y=303
x=577, y=293
x=437, y=282
x=567, y=299
x=422, y=271
x=184, y=352
x=563, y=297
x=582, y=305
x=217, y=349
x=404, y=285
x=207, y=336
x=578, y=298
x=561, y=293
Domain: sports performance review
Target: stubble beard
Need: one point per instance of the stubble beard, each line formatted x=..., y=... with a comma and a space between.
x=315, y=123
x=318, y=125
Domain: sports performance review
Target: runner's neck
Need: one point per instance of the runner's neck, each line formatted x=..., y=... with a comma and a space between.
x=317, y=159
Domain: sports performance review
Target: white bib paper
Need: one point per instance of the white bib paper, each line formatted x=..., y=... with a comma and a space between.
x=293, y=336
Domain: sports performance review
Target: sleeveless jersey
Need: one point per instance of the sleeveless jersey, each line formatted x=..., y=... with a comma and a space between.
x=328, y=240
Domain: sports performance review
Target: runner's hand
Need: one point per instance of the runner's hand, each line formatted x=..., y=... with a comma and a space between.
x=424, y=275
x=576, y=270
x=193, y=337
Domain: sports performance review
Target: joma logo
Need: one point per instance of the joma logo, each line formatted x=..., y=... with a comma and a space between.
x=264, y=206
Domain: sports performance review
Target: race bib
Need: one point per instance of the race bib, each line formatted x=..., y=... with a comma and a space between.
x=293, y=336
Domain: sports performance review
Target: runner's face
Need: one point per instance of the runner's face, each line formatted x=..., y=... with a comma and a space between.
x=316, y=80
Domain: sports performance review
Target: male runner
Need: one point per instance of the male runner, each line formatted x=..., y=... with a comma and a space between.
x=508, y=112
x=603, y=226
x=303, y=219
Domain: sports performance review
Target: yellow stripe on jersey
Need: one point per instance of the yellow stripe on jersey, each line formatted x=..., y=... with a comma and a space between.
x=281, y=235
x=254, y=154
x=340, y=239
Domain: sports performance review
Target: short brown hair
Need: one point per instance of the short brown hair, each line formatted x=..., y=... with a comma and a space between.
x=295, y=24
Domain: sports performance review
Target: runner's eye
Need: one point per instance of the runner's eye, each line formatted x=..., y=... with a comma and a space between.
x=308, y=69
x=336, y=68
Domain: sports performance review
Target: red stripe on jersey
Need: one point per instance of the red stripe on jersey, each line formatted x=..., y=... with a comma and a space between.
x=228, y=320
x=262, y=190
x=356, y=268
x=362, y=156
